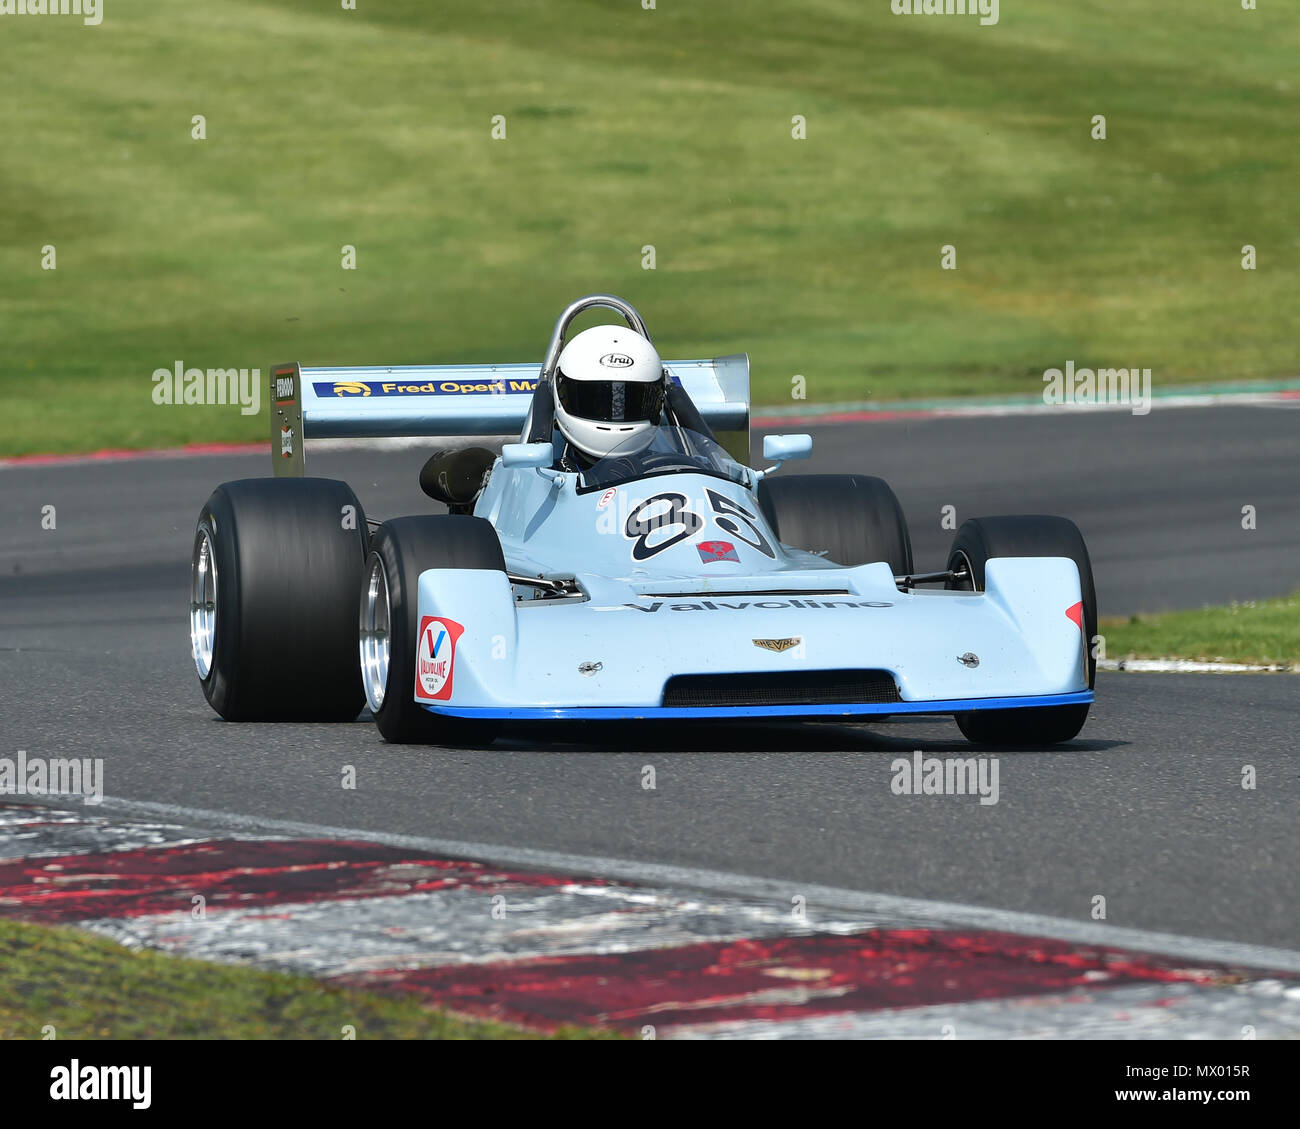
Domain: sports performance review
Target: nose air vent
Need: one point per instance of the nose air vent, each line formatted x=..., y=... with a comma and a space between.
x=781, y=688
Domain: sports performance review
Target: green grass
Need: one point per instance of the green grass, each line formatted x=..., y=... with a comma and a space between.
x=626, y=127
x=86, y=987
x=1261, y=631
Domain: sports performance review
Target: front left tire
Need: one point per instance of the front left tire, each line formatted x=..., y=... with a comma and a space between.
x=978, y=541
x=389, y=620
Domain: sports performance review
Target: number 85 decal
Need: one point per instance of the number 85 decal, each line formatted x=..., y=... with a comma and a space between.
x=731, y=517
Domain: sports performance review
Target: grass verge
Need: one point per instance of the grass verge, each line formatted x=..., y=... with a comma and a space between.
x=87, y=987
x=1260, y=631
x=629, y=133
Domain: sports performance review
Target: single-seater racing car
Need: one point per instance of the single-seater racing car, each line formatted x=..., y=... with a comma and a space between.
x=619, y=560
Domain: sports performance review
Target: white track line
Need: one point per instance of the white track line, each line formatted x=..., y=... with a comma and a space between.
x=769, y=415
x=1188, y=666
x=351, y=936
x=889, y=908
x=1270, y=1010
x=68, y=832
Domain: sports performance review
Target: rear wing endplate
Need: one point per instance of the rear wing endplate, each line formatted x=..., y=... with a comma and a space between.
x=458, y=400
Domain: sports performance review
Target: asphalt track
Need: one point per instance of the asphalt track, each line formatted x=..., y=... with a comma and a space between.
x=1147, y=809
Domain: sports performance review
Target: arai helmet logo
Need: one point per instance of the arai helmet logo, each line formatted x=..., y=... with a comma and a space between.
x=969, y=659
x=617, y=360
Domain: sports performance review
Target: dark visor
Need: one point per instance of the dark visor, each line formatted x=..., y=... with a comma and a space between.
x=610, y=401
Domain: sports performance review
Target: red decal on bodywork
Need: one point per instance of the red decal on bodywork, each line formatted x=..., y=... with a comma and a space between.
x=717, y=551
x=435, y=657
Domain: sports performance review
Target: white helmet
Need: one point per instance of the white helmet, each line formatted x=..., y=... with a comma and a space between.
x=609, y=391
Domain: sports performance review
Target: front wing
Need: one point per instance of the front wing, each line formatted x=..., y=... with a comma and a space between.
x=1018, y=644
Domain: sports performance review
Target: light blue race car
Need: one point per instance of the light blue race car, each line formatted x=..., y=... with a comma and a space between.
x=619, y=561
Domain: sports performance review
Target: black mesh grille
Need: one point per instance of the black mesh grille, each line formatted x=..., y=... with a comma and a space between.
x=795, y=688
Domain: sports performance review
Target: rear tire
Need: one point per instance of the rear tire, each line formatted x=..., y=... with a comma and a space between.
x=399, y=551
x=851, y=519
x=272, y=606
x=977, y=542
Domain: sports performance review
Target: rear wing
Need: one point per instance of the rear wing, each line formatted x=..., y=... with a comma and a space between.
x=458, y=400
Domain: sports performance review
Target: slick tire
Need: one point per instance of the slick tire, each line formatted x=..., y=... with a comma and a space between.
x=851, y=519
x=977, y=542
x=399, y=551
x=273, y=626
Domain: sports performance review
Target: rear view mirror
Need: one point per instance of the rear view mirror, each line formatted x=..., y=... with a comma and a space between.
x=527, y=454
x=781, y=447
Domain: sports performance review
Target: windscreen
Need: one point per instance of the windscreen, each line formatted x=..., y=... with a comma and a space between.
x=671, y=450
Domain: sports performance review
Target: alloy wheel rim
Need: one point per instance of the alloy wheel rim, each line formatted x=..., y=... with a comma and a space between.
x=375, y=625
x=203, y=602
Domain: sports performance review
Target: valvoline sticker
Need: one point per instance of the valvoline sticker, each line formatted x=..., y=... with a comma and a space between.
x=435, y=657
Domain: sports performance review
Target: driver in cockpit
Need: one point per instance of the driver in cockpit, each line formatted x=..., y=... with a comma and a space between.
x=610, y=387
